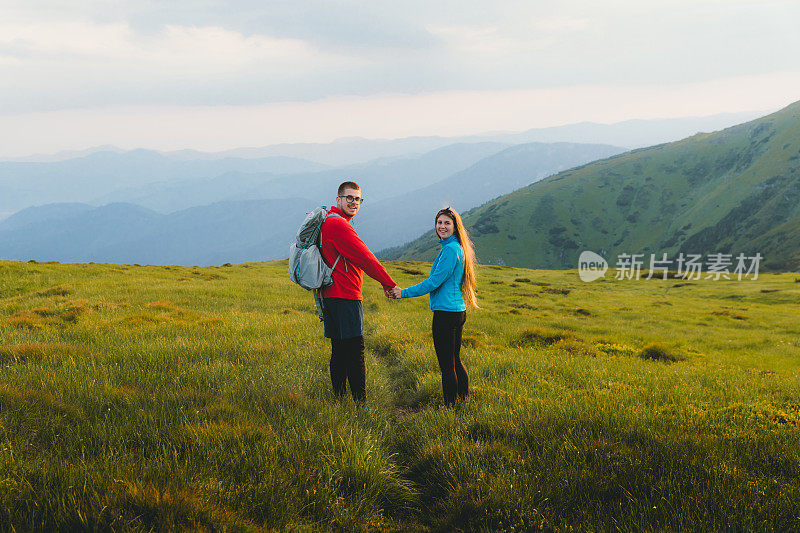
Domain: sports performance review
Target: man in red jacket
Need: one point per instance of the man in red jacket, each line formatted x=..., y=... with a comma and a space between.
x=342, y=310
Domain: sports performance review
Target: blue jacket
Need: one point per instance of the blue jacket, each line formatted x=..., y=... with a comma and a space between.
x=444, y=284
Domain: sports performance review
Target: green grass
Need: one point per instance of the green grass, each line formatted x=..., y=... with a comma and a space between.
x=160, y=398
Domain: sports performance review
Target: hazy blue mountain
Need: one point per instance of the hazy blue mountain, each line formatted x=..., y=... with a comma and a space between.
x=630, y=134
x=340, y=152
x=401, y=218
x=64, y=154
x=389, y=177
x=170, y=196
x=44, y=215
x=23, y=184
x=353, y=150
x=124, y=233
x=380, y=179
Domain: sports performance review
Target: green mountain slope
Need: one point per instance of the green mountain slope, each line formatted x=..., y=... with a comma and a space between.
x=733, y=191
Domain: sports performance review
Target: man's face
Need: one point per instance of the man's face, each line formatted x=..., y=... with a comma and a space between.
x=349, y=208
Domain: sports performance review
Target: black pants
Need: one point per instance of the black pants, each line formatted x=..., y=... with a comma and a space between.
x=347, y=364
x=447, y=327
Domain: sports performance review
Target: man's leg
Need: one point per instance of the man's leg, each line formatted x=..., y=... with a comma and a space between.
x=356, y=369
x=338, y=365
x=339, y=356
x=352, y=327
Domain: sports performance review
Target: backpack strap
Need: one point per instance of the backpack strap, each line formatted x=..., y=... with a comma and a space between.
x=331, y=214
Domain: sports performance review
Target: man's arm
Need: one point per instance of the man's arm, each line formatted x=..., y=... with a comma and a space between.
x=347, y=243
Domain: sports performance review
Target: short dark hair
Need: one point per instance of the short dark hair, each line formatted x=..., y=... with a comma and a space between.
x=348, y=185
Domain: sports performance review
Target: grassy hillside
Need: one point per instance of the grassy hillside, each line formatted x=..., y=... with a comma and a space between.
x=139, y=398
x=733, y=191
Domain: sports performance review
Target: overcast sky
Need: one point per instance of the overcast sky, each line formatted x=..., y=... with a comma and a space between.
x=213, y=75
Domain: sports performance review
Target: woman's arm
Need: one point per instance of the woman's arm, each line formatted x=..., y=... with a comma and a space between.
x=444, y=269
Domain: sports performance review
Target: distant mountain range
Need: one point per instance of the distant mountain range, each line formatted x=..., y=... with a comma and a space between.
x=734, y=191
x=629, y=134
x=23, y=184
x=125, y=233
x=122, y=231
x=161, y=180
x=382, y=178
x=350, y=151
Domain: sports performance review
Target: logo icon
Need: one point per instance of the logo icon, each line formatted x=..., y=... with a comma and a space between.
x=591, y=266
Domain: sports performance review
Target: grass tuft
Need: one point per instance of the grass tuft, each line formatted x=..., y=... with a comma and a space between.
x=411, y=271
x=660, y=352
x=554, y=290
x=36, y=352
x=576, y=347
x=29, y=320
x=58, y=290
x=735, y=316
x=473, y=341
x=614, y=349
x=538, y=336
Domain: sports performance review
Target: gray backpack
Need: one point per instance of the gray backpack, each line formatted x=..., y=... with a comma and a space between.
x=307, y=268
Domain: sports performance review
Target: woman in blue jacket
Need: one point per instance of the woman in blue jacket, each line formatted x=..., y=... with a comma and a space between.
x=452, y=290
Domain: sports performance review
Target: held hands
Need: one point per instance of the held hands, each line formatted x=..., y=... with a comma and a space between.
x=393, y=293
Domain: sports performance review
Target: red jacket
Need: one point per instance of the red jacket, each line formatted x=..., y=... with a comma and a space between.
x=339, y=238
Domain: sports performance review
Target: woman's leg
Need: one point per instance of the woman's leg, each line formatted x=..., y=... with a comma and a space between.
x=461, y=371
x=443, y=343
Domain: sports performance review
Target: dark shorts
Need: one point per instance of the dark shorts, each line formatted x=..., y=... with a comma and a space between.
x=344, y=319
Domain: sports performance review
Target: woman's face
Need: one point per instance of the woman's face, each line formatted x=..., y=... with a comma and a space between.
x=444, y=226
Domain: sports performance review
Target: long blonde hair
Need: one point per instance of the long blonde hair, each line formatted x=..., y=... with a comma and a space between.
x=468, y=281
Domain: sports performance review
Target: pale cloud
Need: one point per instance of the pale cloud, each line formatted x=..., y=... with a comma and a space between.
x=298, y=64
x=82, y=41
x=560, y=25
x=513, y=38
x=386, y=116
x=487, y=40
x=334, y=25
x=51, y=65
x=8, y=61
